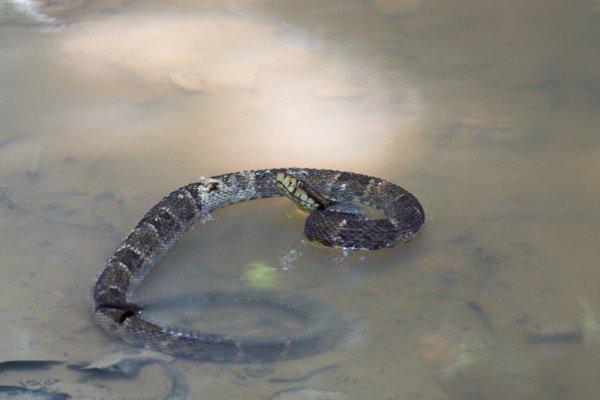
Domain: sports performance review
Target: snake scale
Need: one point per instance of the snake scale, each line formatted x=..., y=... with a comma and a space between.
x=176, y=213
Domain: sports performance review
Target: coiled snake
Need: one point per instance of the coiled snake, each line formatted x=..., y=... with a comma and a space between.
x=170, y=218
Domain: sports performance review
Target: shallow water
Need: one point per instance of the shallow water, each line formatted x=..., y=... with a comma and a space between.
x=487, y=111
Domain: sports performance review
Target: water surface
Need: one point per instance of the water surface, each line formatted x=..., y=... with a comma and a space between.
x=487, y=111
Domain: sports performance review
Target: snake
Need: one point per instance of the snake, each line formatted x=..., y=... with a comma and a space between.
x=320, y=191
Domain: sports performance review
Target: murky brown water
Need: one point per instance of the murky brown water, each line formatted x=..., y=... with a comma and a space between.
x=487, y=111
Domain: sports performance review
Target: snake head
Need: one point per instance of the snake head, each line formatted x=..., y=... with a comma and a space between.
x=302, y=195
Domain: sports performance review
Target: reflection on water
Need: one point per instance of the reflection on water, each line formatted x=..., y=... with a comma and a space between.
x=487, y=111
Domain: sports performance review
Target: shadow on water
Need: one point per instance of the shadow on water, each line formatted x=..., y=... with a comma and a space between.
x=485, y=110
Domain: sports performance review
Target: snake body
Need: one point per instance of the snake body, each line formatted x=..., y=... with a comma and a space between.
x=176, y=213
